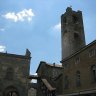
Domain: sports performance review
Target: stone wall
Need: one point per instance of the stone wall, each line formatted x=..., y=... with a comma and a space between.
x=14, y=72
x=81, y=61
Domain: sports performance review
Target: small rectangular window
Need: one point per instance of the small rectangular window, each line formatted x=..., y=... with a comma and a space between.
x=92, y=52
x=77, y=60
x=93, y=71
x=78, y=82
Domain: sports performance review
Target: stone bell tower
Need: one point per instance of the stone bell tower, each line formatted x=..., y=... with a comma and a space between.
x=72, y=32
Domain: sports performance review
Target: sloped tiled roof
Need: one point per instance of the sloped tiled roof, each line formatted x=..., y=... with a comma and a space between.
x=51, y=65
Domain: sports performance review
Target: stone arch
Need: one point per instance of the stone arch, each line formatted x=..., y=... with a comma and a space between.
x=11, y=91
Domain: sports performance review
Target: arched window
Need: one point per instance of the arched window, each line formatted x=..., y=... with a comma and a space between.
x=77, y=60
x=92, y=52
x=93, y=71
x=9, y=73
x=11, y=91
x=77, y=39
x=78, y=82
x=66, y=82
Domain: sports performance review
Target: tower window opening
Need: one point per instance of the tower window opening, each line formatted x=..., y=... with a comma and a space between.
x=75, y=19
x=65, y=31
x=76, y=35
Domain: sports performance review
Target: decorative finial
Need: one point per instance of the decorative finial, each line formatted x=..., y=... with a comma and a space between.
x=28, y=53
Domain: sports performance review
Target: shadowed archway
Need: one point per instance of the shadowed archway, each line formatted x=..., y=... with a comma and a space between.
x=11, y=91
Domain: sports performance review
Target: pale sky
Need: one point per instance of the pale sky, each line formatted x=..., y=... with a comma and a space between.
x=35, y=24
